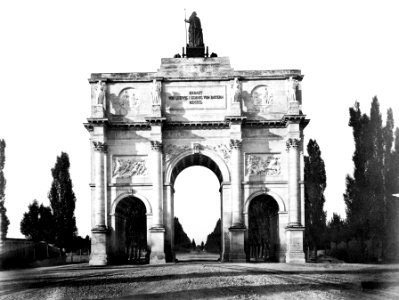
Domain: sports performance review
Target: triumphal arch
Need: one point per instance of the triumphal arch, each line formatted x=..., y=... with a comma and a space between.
x=245, y=126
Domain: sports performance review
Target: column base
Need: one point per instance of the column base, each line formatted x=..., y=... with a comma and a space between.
x=237, y=253
x=295, y=253
x=157, y=255
x=280, y=256
x=98, y=256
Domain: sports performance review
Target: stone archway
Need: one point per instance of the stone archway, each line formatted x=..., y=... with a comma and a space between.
x=246, y=126
x=207, y=159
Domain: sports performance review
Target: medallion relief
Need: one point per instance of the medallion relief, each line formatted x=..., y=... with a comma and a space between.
x=262, y=97
x=126, y=102
x=128, y=166
x=263, y=164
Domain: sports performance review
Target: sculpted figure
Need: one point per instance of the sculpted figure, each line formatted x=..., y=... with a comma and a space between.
x=195, y=31
x=291, y=89
x=100, y=92
x=237, y=90
x=156, y=92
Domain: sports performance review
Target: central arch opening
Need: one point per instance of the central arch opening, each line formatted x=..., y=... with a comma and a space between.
x=197, y=209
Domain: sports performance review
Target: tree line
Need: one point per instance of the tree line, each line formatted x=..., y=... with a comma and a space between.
x=55, y=224
x=372, y=208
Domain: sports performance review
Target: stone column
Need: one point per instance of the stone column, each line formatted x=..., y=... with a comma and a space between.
x=294, y=230
x=294, y=213
x=237, y=230
x=168, y=215
x=156, y=173
x=99, y=232
x=236, y=188
x=157, y=229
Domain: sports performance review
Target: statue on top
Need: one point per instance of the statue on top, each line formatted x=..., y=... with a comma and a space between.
x=195, y=31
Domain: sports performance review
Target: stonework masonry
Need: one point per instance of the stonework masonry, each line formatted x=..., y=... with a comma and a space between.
x=245, y=126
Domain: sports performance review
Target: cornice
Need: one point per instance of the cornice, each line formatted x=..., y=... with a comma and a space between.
x=246, y=123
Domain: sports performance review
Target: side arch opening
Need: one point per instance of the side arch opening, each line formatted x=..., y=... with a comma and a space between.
x=130, y=240
x=262, y=243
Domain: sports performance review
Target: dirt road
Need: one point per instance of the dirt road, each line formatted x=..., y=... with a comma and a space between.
x=203, y=280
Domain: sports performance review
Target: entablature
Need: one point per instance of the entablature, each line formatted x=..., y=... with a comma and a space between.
x=282, y=123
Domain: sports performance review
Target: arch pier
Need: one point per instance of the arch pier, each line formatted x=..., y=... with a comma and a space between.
x=245, y=126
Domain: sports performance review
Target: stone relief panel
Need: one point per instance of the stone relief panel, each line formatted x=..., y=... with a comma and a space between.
x=268, y=164
x=126, y=102
x=172, y=150
x=265, y=99
x=223, y=150
x=128, y=166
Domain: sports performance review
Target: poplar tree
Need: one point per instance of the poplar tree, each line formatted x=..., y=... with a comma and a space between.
x=193, y=244
x=62, y=200
x=315, y=184
x=393, y=201
x=182, y=241
x=371, y=208
x=357, y=187
x=375, y=174
x=336, y=229
x=4, y=222
x=390, y=176
x=213, y=240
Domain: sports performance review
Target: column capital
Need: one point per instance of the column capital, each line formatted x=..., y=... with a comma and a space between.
x=293, y=143
x=157, y=146
x=235, y=144
x=100, y=146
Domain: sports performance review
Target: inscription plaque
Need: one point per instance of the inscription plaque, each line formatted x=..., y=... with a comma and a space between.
x=193, y=98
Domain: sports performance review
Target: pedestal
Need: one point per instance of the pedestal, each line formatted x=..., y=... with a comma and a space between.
x=293, y=108
x=157, y=255
x=195, y=52
x=97, y=111
x=98, y=256
x=237, y=253
x=295, y=252
x=235, y=109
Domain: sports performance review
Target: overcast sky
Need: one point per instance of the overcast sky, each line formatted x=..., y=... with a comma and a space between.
x=347, y=50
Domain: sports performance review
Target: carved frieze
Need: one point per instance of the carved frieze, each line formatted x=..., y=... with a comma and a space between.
x=223, y=150
x=172, y=150
x=263, y=164
x=128, y=166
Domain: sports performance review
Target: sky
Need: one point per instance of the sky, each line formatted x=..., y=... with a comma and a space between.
x=347, y=50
